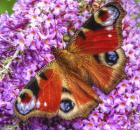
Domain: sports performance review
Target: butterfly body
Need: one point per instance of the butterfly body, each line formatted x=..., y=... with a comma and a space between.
x=93, y=57
x=65, y=58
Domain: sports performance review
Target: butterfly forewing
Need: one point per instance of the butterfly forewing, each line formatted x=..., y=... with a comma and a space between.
x=101, y=33
x=41, y=96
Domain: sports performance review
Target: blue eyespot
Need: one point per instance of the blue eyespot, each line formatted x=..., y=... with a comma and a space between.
x=66, y=105
x=111, y=57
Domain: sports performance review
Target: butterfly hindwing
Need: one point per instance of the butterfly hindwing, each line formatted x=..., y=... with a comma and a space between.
x=106, y=69
x=79, y=95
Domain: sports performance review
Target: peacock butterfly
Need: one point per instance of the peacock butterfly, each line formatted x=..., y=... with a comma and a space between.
x=93, y=56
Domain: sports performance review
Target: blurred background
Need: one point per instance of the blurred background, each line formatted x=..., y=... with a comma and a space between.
x=6, y=5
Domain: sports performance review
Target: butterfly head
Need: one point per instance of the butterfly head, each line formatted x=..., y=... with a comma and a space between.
x=56, y=52
x=59, y=53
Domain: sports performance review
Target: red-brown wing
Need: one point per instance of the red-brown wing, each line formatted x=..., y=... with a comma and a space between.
x=101, y=33
x=41, y=96
x=106, y=74
x=98, y=41
x=78, y=98
x=49, y=91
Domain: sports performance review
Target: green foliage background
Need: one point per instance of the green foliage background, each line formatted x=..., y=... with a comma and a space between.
x=6, y=5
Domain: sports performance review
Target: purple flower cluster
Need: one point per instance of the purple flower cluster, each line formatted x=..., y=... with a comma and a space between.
x=25, y=41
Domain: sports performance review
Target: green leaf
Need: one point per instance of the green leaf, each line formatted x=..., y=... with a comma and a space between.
x=9, y=127
x=6, y=5
x=137, y=1
x=138, y=24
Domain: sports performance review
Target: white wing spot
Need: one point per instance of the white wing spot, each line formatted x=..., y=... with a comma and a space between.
x=45, y=104
x=109, y=28
x=38, y=104
x=109, y=35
